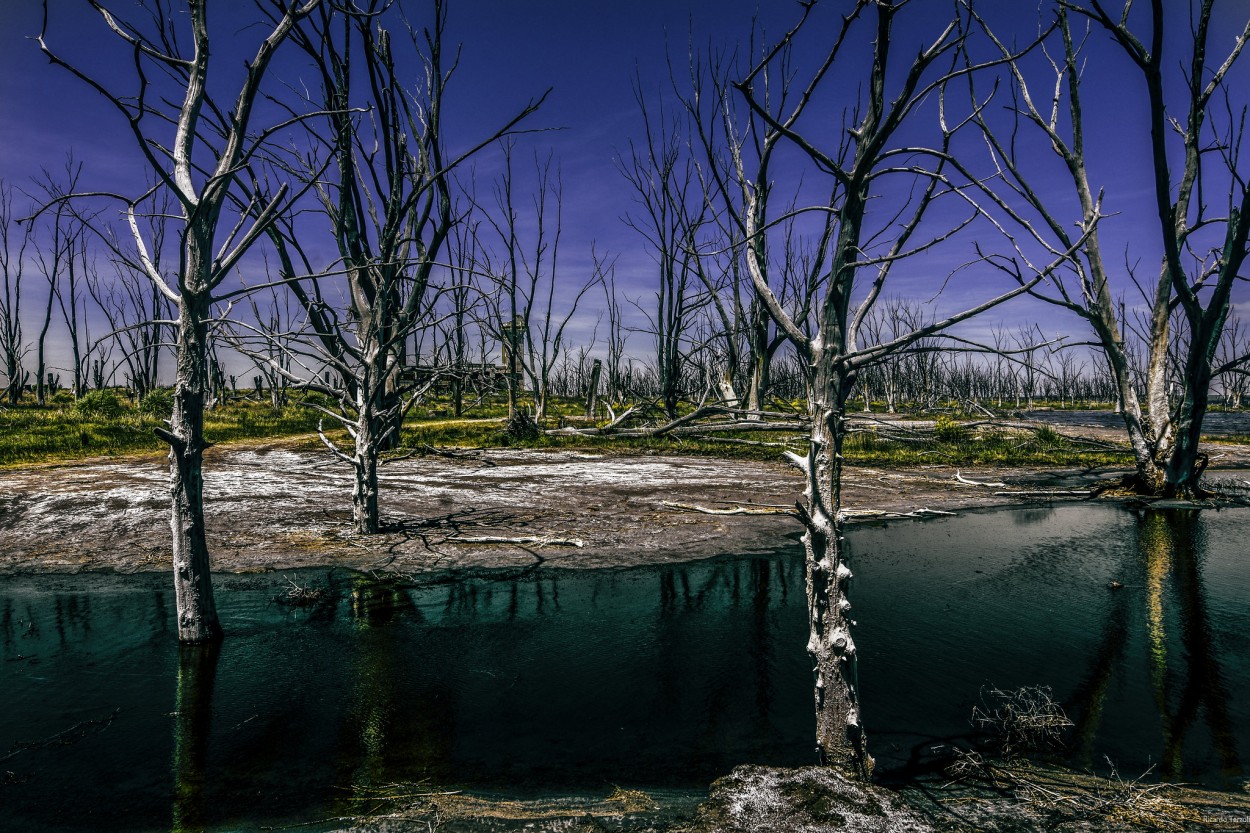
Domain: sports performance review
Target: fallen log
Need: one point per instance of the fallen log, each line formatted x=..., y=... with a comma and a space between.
x=533, y=541
x=969, y=482
x=736, y=510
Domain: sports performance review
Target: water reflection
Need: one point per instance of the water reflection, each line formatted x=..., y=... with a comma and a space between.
x=392, y=731
x=193, y=719
x=1136, y=621
x=1031, y=515
x=1107, y=659
x=1174, y=549
x=1181, y=657
x=556, y=682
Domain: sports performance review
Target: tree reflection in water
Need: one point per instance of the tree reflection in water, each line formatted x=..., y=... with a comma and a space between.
x=668, y=676
x=387, y=735
x=1185, y=674
x=193, y=718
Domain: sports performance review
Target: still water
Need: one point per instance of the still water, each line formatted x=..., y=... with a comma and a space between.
x=567, y=683
x=1214, y=423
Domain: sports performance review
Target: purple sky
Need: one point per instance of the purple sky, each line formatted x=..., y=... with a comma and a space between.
x=590, y=52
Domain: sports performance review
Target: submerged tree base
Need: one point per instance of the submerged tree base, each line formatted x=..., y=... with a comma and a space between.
x=1153, y=482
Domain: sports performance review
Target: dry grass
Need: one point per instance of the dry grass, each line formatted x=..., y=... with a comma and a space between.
x=631, y=801
x=1134, y=802
x=1098, y=802
x=1028, y=719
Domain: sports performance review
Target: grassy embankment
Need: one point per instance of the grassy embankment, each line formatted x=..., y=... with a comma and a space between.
x=104, y=423
x=109, y=424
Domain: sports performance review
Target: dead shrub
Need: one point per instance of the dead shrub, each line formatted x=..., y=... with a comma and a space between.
x=1024, y=719
x=298, y=595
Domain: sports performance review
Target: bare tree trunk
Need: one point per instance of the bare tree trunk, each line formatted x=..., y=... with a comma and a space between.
x=70, y=314
x=11, y=272
x=365, y=516
x=840, y=735
x=1141, y=432
x=592, y=388
x=15, y=378
x=203, y=193
x=41, y=387
x=374, y=424
x=1164, y=439
x=759, y=360
x=1186, y=464
x=457, y=393
x=757, y=382
x=458, y=368
x=193, y=589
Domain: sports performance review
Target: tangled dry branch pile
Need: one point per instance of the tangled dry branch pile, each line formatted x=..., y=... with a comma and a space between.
x=1024, y=719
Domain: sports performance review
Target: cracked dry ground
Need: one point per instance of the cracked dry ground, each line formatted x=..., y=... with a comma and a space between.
x=273, y=507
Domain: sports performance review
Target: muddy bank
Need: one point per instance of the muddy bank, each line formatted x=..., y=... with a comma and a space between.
x=274, y=507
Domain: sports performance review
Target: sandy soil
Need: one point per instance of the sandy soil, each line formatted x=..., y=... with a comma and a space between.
x=274, y=507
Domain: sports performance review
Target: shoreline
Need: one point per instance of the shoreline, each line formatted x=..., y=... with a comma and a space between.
x=273, y=507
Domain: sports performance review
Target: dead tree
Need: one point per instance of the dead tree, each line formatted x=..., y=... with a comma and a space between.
x=56, y=253
x=524, y=316
x=671, y=216
x=1234, y=345
x=67, y=288
x=14, y=240
x=465, y=261
x=716, y=118
x=873, y=230
x=277, y=323
x=546, y=324
x=1201, y=201
x=388, y=201
x=137, y=312
x=617, y=338
x=136, y=317
x=504, y=320
x=212, y=147
x=891, y=319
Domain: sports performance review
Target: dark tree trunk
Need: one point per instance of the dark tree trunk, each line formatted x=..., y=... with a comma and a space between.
x=1186, y=464
x=193, y=716
x=592, y=389
x=41, y=388
x=15, y=376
